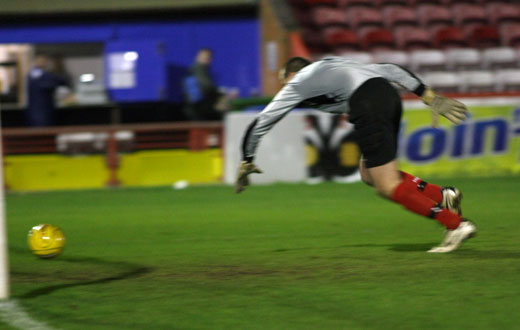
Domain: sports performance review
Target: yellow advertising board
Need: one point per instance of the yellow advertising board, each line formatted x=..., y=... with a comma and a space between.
x=486, y=144
x=143, y=168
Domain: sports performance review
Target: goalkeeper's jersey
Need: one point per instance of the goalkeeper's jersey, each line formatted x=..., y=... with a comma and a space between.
x=326, y=85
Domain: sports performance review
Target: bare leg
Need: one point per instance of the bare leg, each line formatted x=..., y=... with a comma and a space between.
x=365, y=175
x=385, y=178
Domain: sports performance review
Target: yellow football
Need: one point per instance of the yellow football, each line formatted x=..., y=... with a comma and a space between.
x=46, y=241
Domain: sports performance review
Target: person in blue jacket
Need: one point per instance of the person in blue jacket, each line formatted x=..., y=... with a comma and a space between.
x=201, y=92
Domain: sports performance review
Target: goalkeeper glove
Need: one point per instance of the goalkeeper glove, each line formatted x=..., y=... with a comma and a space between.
x=244, y=170
x=453, y=110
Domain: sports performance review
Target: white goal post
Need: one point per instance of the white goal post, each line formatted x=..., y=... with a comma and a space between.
x=4, y=262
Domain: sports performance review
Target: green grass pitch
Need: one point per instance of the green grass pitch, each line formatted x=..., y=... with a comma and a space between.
x=284, y=256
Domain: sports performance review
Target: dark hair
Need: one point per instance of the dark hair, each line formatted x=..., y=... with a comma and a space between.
x=294, y=64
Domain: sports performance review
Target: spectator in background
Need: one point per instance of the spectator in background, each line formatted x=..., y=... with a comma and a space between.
x=42, y=84
x=203, y=100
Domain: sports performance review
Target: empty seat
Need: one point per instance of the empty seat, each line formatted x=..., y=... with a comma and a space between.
x=422, y=60
x=412, y=38
x=384, y=3
x=398, y=57
x=508, y=80
x=360, y=16
x=442, y=81
x=511, y=34
x=472, y=2
x=354, y=3
x=364, y=30
x=362, y=57
x=477, y=81
x=469, y=14
x=342, y=39
x=319, y=2
x=450, y=37
x=430, y=15
x=500, y=57
x=314, y=40
x=297, y=3
x=495, y=1
x=397, y=15
x=303, y=16
x=503, y=12
x=483, y=36
x=378, y=39
x=325, y=31
x=428, y=2
x=462, y=58
x=324, y=16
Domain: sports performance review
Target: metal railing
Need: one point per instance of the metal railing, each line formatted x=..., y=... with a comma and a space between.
x=112, y=139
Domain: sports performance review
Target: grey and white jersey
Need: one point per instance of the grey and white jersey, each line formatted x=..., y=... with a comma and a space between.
x=326, y=85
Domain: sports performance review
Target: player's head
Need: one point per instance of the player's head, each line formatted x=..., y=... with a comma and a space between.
x=293, y=65
x=204, y=56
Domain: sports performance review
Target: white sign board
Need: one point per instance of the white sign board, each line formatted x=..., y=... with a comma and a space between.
x=280, y=155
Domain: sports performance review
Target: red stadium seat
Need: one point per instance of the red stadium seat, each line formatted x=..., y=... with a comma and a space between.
x=497, y=1
x=342, y=40
x=450, y=37
x=303, y=16
x=320, y=2
x=510, y=33
x=434, y=15
x=395, y=16
x=297, y=3
x=412, y=38
x=355, y=3
x=359, y=17
x=378, y=39
x=471, y=2
x=326, y=31
x=469, y=14
x=324, y=16
x=364, y=30
x=483, y=36
x=384, y=3
x=502, y=12
x=426, y=2
x=314, y=40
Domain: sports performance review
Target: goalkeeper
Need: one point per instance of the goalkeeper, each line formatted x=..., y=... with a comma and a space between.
x=373, y=105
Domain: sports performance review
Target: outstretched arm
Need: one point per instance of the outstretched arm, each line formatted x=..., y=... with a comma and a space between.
x=286, y=100
x=453, y=110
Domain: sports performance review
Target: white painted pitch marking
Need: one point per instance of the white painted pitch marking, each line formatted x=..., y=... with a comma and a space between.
x=14, y=315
